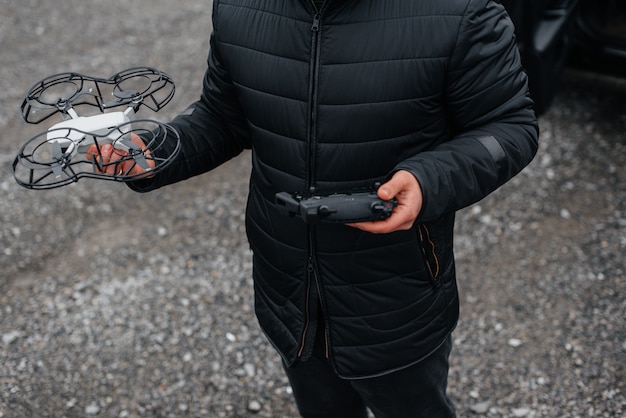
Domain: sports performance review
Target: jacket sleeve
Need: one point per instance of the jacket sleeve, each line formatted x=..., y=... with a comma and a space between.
x=494, y=127
x=212, y=130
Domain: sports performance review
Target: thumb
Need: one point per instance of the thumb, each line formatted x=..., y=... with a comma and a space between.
x=385, y=192
x=392, y=187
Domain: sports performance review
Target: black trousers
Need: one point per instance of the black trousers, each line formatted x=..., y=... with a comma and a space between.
x=417, y=391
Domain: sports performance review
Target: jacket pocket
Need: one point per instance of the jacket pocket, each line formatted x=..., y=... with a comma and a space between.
x=429, y=252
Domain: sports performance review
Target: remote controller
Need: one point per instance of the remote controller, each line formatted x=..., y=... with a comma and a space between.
x=337, y=208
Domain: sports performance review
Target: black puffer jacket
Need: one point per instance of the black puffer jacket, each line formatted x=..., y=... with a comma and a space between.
x=338, y=99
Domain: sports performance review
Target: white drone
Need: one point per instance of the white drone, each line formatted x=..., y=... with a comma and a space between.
x=58, y=156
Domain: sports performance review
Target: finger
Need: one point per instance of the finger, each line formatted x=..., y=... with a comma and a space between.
x=137, y=140
x=110, y=158
x=100, y=155
x=92, y=153
x=401, y=182
x=133, y=167
x=388, y=190
x=402, y=218
x=398, y=221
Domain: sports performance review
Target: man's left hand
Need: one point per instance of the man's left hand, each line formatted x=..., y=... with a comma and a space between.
x=406, y=189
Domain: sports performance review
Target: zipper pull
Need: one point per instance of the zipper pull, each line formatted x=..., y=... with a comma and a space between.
x=316, y=23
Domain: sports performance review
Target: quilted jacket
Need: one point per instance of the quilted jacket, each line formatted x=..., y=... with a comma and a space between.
x=340, y=98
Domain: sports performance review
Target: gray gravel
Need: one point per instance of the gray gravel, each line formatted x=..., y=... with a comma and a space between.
x=115, y=304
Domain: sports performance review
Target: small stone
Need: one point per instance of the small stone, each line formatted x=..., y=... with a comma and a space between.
x=250, y=369
x=515, y=342
x=11, y=337
x=92, y=409
x=254, y=406
x=480, y=408
x=521, y=412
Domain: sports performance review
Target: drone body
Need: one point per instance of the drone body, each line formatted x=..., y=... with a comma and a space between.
x=59, y=156
x=72, y=130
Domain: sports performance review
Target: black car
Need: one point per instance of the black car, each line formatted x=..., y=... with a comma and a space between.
x=553, y=34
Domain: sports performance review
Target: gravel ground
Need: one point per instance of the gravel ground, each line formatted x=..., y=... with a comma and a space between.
x=116, y=304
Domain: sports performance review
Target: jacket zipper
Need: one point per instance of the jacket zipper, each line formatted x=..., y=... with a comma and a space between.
x=307, y=308
x=310, y=179
x=314, y=76
x=311, y=278
x=321, y=307
x=430, y=254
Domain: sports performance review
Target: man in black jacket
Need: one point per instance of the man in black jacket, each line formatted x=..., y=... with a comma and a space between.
x=427, y=98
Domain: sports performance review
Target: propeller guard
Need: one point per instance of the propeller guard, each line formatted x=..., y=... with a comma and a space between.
x=50, y=160
x=140, y=86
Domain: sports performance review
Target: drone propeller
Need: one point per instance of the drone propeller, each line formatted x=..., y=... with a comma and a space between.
x=57, y=154
x=122, y=98
x=136, y=152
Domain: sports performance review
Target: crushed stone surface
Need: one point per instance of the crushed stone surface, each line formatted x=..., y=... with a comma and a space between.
x=118, y=304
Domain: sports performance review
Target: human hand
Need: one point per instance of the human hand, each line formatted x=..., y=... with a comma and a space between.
x=114, y=161
x=406, y=189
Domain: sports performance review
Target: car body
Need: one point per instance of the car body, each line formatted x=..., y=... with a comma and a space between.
x=554, y=34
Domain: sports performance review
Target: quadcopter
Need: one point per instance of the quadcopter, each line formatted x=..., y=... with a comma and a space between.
x=72, y=148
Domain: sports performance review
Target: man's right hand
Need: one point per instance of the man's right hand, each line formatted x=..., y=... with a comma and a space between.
x=114, y=161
